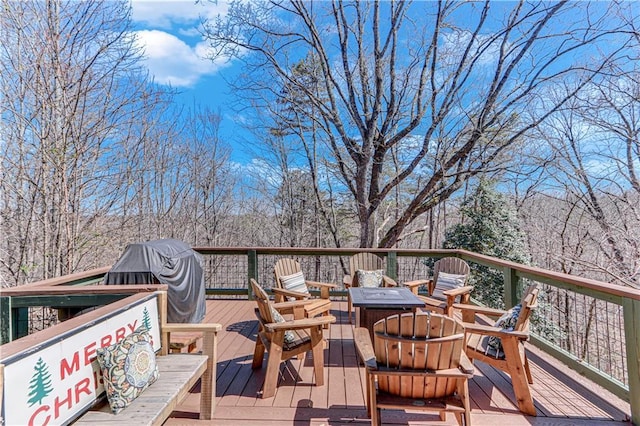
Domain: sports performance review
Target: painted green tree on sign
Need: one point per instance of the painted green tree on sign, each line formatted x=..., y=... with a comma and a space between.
x=40, y=384
x=146, y=319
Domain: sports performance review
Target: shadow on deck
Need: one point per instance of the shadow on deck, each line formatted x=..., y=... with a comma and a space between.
x=561, y=396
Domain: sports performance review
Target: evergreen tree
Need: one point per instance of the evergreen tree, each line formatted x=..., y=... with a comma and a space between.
x=40, y=384
x=490, y=227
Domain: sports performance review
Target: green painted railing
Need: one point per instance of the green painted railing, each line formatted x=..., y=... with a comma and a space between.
x=227, y=272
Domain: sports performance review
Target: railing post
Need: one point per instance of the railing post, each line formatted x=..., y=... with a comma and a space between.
x=631, y=312
x=392, y=264
x=252, y=263
x=511, y=281
x=20, y=322
x=6, y=330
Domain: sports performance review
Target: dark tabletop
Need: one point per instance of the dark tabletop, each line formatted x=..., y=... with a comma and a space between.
x=384, y=297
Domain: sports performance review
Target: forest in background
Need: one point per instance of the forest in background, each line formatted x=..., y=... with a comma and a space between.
x=363, y=136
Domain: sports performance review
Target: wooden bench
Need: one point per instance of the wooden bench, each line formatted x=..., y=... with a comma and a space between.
x=178, y=373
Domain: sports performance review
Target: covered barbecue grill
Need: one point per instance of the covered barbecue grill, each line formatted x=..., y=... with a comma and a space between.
x=169, y=262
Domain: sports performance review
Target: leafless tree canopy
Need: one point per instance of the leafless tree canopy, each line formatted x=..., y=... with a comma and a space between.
x=91, y=157
x=416, y=97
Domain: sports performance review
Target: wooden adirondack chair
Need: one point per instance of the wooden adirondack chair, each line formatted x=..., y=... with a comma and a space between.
x=285, y=339
x=418, y=363
x=364, y=262
x=287, y=268
x=512, y=358
x=440, y=300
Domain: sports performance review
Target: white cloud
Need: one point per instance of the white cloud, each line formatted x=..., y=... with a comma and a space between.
x=175, y=52
x=172, y=61
x=166, y=13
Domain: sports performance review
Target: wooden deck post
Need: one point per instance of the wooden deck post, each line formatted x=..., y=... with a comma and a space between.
x=392, y=265
x=6, y=329
x=252, y=265
x=20, y=322
x=631, y=309
x=511, y=281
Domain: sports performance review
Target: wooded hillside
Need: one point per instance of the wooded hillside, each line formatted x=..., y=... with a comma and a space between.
x=372, y=121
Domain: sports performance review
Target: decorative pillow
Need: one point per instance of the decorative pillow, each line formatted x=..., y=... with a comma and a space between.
x=447, y=282
x=507, y=322
x=128, y=368
x=369, y=278
x=294, y=282
x=289, y=337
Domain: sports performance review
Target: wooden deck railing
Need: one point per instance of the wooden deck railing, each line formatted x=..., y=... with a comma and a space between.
x=597, y=308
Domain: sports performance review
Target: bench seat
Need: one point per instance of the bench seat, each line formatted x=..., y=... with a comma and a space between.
x=178, y=373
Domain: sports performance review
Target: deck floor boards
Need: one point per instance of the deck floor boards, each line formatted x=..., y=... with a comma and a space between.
x=561, y=397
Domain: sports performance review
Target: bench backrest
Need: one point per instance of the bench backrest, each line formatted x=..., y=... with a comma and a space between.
x=52, y=376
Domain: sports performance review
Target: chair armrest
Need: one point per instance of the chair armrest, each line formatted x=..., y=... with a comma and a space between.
x=362, y=339
x=324, y=287
x=478, y=309
x=295, y=307
x=320, y=284
x=455, y=292
x=347, y=280
x=186, y=327
x=488, y=330
x=290, y=305
x=298, y=324
x=289, y=293
x=464, y=293
x=208, y=330
x=388, y=281
x=430, y=301
x=413, y=285
x=466, y=366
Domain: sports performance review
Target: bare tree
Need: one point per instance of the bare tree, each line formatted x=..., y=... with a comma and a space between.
x=72, y=93
x=211, y=203
x=594, y=144
x=451, y=95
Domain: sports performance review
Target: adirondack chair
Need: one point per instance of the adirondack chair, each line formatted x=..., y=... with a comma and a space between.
x=291, y=283
x=419, y=363
x=285, y=339
x=502, y=345
x=453, y=273
x=365, y=262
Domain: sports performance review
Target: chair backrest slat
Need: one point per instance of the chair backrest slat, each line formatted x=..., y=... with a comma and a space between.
x=450, y=265
x=414, y=341
x=528, y=302
x=262, y=300
x=284, y=267
x=365, y=262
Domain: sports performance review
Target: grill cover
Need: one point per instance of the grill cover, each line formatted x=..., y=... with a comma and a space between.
x=169, y=262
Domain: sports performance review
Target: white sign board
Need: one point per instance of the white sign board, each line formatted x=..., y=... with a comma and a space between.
x=54, y=381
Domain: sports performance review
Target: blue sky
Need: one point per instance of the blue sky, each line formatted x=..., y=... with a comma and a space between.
x=176, y=54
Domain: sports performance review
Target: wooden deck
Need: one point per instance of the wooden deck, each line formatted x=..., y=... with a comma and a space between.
x=561, y=396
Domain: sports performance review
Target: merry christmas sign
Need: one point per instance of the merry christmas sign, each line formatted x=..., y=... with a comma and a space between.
x=51, y=383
